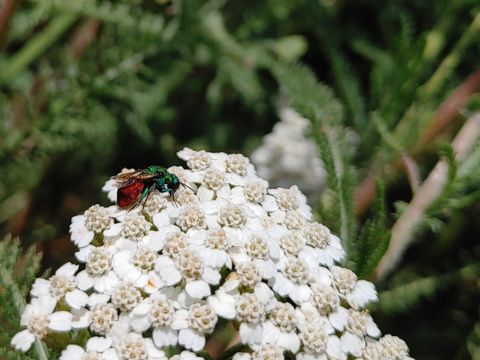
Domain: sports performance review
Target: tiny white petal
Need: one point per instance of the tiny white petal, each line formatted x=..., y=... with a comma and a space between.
x=67, y=269
x=76, y=298
x=351, y=344
x=180, y=320
x=98, y=344
x=110, y=354
x=114, y=230
x=82, y=254
x=40, y=287
x=362, y=294
x=269, y=203
x=334, y=348
x=84, y=280
x=191, y=339
x=106, y=283
x=300, y=294
x=80, y=319
x=251, y=333
x=153, y=352
x=373, y=330
x=23, y=340
x=223, y=305
x=265, y=295
x=197, y=289
x=339, y=319
x=46, y=304
x=60, y=321
x=282, y=285
x=72, y=352
x=205, y=194
x=168, y=271
x=140, y=323
x=98, y=299
x=156, y=240
x=211, y=276
x=84, y=239
x=242, y=356
x=161, y=219
x=266, y=267
x=153, y=283
x=164, y=336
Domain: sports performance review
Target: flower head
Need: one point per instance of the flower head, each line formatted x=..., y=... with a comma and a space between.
x=40, y=318
x=229, y=250
x=287, y=156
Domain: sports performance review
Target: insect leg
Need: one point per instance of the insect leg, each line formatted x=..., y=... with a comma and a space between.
x=145, y=193
x=150, y=191
x=172, y=196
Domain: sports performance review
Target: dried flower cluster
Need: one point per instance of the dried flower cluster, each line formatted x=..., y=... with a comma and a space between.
x=163, y=276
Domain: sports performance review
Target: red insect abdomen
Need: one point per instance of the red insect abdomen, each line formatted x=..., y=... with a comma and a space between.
x=129, y=194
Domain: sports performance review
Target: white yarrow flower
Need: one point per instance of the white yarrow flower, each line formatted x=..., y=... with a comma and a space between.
x=39, y=318
x=62, y=285
x=229, y=252
x=98, y=271
x=93, y=222
x=194, y=323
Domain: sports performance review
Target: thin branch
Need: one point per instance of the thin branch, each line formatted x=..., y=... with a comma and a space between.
x=36, y=46
x=446, y=114
x=6, y=12
x=448, y=110
x=83, y=37
x=411, y=169
x=405, y=227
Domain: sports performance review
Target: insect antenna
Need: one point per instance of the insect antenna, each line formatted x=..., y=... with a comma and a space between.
x=186, y=186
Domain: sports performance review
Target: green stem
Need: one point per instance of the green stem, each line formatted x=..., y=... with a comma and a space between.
x=406, y=130
x=331, y=137
x=35, y=47
x=442, y=73
x=40, y=349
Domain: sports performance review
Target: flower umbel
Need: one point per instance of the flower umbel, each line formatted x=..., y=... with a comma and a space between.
x=230, y=250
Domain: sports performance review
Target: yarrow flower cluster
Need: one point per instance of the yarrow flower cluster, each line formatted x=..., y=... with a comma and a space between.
x=158, y=281
x=287, y=156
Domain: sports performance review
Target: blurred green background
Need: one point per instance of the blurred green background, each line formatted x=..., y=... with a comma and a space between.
x=89, y=87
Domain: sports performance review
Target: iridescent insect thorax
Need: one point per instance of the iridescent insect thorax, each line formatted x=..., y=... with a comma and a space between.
x=172, y=181
x=156, y=170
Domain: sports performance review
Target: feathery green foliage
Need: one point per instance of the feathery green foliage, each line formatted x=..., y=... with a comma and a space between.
x=403, y=297
x=474, y=343
x=88, y=87
x=17, y=273
x=374, y=236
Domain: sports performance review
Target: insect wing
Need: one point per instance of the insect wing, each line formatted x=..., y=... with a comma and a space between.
x=127, y=178
x=128, y=195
